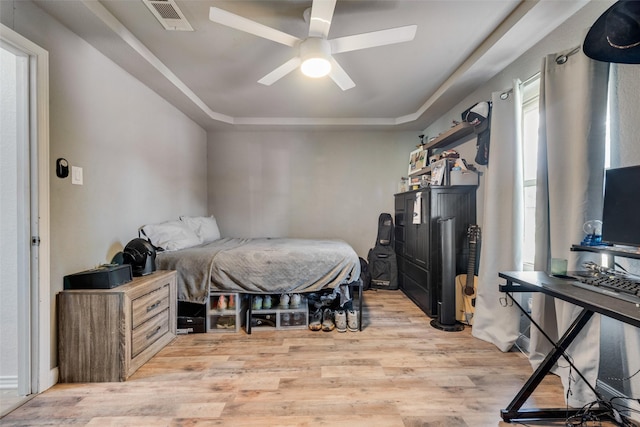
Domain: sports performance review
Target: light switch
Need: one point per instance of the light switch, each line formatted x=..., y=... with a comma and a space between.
x=76, y=175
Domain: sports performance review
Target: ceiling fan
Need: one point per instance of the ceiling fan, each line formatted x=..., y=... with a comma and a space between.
x=315, y=52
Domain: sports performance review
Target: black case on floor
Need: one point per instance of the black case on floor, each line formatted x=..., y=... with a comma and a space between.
x=382, y=257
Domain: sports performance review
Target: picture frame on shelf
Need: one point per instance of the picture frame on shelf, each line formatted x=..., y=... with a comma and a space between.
x=438, y=170
x=417, y=160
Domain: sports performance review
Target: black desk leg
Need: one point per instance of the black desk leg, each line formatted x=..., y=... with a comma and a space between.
x=513, y=412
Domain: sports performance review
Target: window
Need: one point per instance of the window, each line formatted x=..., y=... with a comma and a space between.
x=530, y=120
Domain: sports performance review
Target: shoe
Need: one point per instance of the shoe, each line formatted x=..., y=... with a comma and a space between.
x=267, y=302
x=225, y=322
x=284, y=301
x=298, y=319
x=285, y=319
x=327, y=321
x=352, y=320
x=257, y=302
x=315, y=320
x=295, y=301
x=341, y=321
x=222, y=303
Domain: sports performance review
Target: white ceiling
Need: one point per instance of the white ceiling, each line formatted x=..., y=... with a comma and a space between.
x=211, y=73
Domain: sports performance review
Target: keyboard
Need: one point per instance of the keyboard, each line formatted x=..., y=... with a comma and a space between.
x=614, y=285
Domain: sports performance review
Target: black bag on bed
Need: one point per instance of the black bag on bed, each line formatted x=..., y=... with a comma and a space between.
x=383, y=266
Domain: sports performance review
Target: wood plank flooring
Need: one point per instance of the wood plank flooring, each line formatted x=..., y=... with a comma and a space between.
x=399, y=371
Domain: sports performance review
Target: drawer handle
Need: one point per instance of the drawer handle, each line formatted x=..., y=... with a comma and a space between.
x=153, y=306
x=155, y=331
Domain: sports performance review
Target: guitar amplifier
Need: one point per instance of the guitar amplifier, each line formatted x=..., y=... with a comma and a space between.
x=104, y=277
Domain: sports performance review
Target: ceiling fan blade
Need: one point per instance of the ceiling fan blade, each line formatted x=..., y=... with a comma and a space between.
x=321, y=15
x=373, y=39
x=252, y=27
x=340, y=76
x=280, y=72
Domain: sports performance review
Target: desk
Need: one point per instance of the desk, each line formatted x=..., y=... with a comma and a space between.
x=591, y=302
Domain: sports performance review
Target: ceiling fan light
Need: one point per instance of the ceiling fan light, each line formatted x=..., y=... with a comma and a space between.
x=315, y=53
x=315, y=67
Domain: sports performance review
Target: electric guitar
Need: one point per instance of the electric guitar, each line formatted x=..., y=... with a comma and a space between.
x=467, y=284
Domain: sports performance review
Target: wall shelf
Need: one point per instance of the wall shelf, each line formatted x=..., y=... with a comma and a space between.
x=445, y=138
x=457, y=132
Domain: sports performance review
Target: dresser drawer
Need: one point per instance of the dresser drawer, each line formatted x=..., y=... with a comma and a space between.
x=149, y=305
x=149, y=332
x=108, y=334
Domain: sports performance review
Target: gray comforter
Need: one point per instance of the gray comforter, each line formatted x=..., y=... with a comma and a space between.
x=261, y=266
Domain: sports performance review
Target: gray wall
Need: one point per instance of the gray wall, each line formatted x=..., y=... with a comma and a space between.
x=306, y=184
x=143, y=160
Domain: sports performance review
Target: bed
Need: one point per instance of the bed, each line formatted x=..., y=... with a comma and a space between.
x=204, y=261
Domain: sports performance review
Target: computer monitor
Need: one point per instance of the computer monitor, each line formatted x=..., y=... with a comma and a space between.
x=621, y=210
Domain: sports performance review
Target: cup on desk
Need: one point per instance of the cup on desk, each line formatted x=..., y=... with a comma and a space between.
x=558, y=266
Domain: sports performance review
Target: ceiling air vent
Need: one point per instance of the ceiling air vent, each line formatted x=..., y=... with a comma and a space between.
x=168, y=14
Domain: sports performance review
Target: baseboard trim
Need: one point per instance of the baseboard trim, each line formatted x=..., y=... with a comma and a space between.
x=8, y=382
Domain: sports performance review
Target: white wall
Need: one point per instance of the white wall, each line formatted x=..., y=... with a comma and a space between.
x=306, y=184
x=143, y=160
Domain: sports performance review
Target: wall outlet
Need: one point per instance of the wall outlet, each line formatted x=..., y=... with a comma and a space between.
x=76, y=175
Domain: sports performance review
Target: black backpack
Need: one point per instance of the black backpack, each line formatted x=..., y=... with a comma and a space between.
x=382, y=257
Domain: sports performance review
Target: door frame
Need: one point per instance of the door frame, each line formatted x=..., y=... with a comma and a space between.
x=43, y=375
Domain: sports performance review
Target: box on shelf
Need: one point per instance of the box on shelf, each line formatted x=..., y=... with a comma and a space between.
x=191, y=325
x=278, y=317
x=225, y=311
x=191, y=317
x=463, y=177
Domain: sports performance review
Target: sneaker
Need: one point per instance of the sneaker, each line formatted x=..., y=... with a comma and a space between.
x=267, y=302
x=352, y=320
x=327, y=321
x=315, y=320
x=295, y=301
x=257, y=302
x=285, y=319
x=341, y=321
x=284, y=301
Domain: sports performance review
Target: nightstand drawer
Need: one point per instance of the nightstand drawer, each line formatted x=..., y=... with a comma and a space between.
x=149, y=332
x=149, y=305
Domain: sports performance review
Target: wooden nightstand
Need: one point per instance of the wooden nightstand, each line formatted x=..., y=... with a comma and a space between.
x=107, y=334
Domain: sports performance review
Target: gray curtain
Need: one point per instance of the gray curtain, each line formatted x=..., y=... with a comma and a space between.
x=573, y=101
x=496, y=321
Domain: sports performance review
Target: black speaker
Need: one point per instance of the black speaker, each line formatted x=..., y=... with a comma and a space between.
x=446, y=320
x=104, y=277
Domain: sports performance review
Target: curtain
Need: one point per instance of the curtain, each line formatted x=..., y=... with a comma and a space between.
x=571, y=150
x=494, y=320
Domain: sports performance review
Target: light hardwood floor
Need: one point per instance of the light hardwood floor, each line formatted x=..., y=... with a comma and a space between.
x=399, y=371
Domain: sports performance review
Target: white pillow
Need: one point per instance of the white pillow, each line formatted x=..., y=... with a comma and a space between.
x=171, y=235
x=205, y=227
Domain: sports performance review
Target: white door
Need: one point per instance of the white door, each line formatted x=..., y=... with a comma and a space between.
x=25, y=301
x=15, y=227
